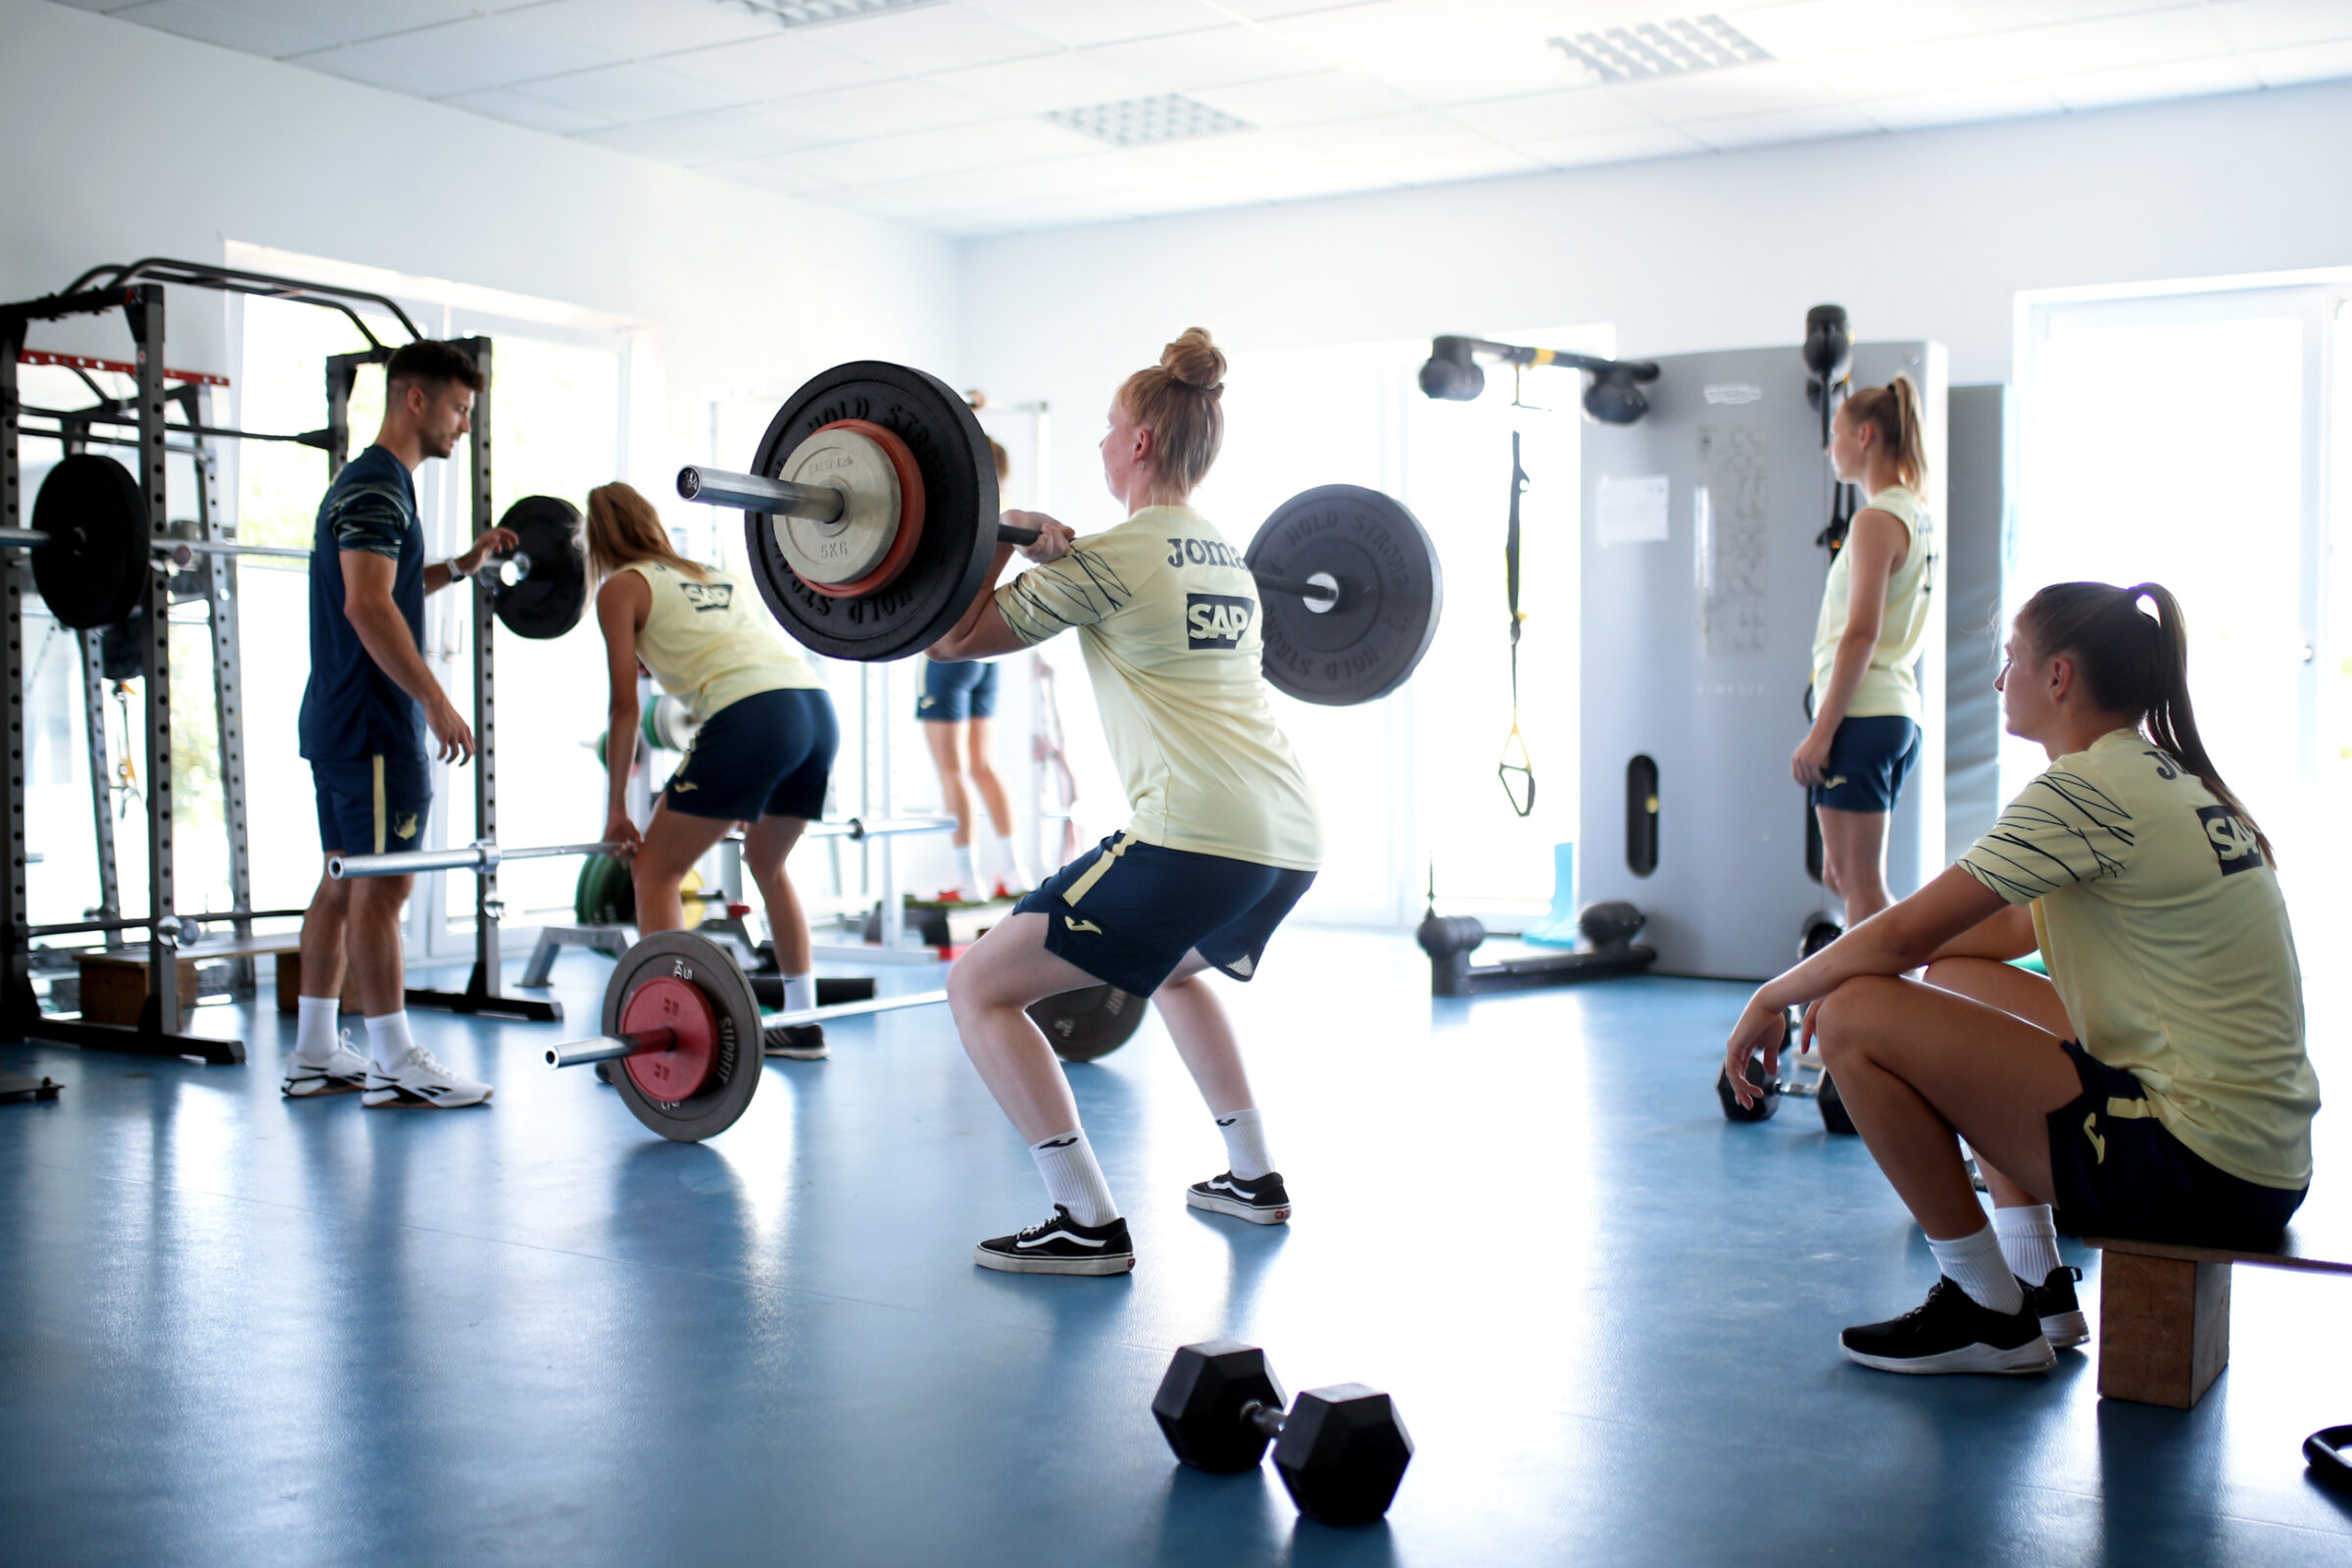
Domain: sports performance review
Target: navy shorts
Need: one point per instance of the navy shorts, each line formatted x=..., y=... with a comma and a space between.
x=2119, y=1172
x=1869, y=760
x=1127, y=912
x=373, y=805
x=766, y=754
x=955, y=690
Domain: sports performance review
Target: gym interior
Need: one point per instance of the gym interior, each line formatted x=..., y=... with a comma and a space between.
x=1537, y=320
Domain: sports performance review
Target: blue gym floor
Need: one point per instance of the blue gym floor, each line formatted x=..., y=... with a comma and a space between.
x=239, y=1330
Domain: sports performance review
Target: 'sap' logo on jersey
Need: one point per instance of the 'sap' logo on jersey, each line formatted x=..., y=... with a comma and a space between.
x=2234, y=843
x=708, y=595
x=1216, y=620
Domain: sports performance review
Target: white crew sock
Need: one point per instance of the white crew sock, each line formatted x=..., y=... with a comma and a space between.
x=967, y=874
x=800, y=991
x=1975, y=1264
x=1016, y=874
x=388, y=1039
x=314, y=1028
x=1067, y=1160
x=1246, y=1144
x=2028, y=1241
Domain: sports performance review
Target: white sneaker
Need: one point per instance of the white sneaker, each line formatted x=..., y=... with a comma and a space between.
x=343, y=1071
x=419, y=1080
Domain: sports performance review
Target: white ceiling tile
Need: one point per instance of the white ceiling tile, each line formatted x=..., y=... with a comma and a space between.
x=2311, y=61
x=889, y=109
x=457, y=57
x=621, y=94
x=1065, y=179
x=1786, y=125
x=1440, y=53
x=928, y=38
x=246, y=35
x=1811, y=30
x=1441, y=169
x=1216, y=57
x=346, y=22
x=638, y=29
x=1999, y=14
x=784, y=65
x=100, y=6
x=1079, y=22
x=1552, y=116
x=1062, y=81
x=535, y=113
x=2132, y=84
x=1022, y=139
x=1770, y=88
x=1928, y=68
x=763, y=175
x=722, y=135
x=1417, y=133
x=2147, y=39
x=1321, y=95
x=2007, y=100
x=2276, y=24
x=1613, y=147
x=1267, y=10
x=959, y=151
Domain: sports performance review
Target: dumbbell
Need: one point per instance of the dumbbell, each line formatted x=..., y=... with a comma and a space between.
x=1340, y=1450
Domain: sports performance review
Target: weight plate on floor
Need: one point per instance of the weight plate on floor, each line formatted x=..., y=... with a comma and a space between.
x=947, y=564
x=666, y=1001
x=843, y=455
x=94, y=567
x=1092, y=1021
x=548, y=602
x=726, y=1088
x=1835, y=1117
x=1390, y=593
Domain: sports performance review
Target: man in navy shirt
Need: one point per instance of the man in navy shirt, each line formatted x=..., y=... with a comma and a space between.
x=370, y=703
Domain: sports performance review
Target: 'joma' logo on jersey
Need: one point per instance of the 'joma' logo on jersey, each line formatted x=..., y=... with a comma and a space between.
x=1216, y=620
x=708, y=595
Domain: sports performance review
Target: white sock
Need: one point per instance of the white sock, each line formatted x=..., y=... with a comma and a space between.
x=388, y=1039
x=314, y=1027
x=1010, y=860
x=2028, y=1241
x=967, y=874
x=800, y=991
x=1067, y=1160
x=1975, y=1264
x=1246, y=1144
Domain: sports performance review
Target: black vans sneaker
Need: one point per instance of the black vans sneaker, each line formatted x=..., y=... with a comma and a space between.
x=801, y=1042
x=2053, y=1301
x=1952, y=1333
x=1060, y=1245
x=1260, y=1199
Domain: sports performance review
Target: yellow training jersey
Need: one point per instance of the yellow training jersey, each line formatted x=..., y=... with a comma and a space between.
x=2167, y=938
x=1889, y=687
x=1167, y=616
x=712, y=642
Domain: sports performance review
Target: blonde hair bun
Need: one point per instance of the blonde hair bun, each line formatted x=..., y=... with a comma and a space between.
x=1195, y=360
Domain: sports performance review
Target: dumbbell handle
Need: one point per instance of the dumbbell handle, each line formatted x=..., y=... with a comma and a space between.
x=1267, y=1418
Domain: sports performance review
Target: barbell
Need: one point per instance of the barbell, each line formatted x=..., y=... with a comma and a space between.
x=870, y=524
x=484, y=856
x=91, y=548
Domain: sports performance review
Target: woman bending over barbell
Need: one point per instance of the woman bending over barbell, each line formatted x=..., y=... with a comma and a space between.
x=2155, y=1086
x=763, y=753
x=1225, y=836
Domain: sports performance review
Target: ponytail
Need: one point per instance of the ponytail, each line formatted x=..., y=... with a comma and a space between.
x=2133, y=663
x=1894, y=411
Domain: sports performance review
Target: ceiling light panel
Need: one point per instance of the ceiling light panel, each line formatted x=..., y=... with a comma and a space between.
x=1649, y=50
x=808, y=13
x=1141, y=122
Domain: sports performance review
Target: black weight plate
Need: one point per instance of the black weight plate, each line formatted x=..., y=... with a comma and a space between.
x=1092, y=1021
x=1835, y=1117
x=735, y=1066
x=94, y=567
x=1390, y=593
x=547, y=603
x=960, y=512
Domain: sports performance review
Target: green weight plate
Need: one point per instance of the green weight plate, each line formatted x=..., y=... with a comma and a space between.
x=1391, y=591
x=94, y=567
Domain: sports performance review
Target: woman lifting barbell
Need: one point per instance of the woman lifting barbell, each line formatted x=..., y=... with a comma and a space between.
x=1225, y=837
x=2155, y=1086
x=762, y=757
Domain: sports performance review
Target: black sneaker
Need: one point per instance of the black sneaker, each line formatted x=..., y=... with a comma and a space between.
x=1260, y=1199
x=1060, y=1245
x=801, y=1042
x=2053, y=1301
x=1952, y=1333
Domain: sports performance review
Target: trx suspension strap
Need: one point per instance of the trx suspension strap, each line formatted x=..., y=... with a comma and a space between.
x=1515, y=743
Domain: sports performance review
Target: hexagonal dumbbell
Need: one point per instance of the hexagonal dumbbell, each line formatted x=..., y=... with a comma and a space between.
x=1340, y=1450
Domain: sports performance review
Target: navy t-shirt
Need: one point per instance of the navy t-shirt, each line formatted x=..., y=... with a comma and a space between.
x=351, y=709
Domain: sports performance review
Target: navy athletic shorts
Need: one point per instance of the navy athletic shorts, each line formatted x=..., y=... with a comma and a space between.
x=2120, y=1172
x=373, y=805
x=955, y=690
x=766, y=754
x=1128, y=912
x=1869, y=760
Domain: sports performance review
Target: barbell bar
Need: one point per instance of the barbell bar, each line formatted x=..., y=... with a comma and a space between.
x=483, y=857
x=613, y=1048
x=817, y=503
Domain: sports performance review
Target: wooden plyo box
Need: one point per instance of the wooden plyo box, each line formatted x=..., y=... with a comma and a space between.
x=114, y=988
x=2164, y=1310
x=289, y=982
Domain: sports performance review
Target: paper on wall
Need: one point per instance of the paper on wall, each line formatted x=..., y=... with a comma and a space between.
x=1631, y=511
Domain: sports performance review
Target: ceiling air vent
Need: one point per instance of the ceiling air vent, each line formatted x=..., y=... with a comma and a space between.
x=807, y=13
x=1136, y=122
x=1656, y=49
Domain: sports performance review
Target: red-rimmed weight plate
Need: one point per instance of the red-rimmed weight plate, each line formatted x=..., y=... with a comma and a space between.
x=659, y=969
x=907, y=526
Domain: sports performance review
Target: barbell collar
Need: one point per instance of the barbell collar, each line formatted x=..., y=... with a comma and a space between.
x=752, y=492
